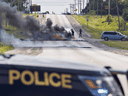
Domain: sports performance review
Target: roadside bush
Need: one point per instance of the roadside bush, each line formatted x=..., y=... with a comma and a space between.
x=122, y=22
x=109, y=18
x=96, y=24
x=91, y=12
x=125, y=14
x=5, y=48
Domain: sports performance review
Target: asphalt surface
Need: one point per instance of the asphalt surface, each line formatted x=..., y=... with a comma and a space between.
x=80, y=51
x=91, y=55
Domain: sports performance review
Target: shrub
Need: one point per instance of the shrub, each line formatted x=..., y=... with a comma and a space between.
x=125, y=14
x=5, y=48
x=109, y=18
x=96, y=24
x=91, y=12
x=122, y=22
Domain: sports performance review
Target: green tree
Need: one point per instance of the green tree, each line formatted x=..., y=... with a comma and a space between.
x=18, y=3
x=105, y=3
x=125, y=11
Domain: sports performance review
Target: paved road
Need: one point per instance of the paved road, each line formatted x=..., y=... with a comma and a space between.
x=78, y=51
x=91, y=55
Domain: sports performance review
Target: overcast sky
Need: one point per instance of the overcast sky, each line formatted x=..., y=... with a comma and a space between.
x=57, y=6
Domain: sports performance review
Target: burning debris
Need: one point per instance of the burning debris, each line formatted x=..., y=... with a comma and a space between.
x=29, y=23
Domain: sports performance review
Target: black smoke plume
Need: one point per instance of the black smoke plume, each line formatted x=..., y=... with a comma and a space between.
x=29, y=23
x=15, y=18
x=56, y=28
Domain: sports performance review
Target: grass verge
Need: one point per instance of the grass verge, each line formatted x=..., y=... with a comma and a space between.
x=96, y=25
x=117, y=44
x=5, y=48
x=12, y=30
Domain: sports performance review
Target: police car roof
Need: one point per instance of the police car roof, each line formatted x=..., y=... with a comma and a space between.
x=25, y=60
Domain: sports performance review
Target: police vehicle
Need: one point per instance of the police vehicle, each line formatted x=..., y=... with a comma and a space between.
x=22, y=75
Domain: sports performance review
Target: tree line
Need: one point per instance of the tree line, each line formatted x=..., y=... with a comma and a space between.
x=18, y=3
x=101, y=7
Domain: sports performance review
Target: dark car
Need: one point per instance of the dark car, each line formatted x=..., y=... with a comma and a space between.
x=67, y=13
x=33, y=76
x=47, y=12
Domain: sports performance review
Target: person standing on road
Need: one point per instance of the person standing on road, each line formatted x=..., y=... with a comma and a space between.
x=72, y=32
x=80, y=34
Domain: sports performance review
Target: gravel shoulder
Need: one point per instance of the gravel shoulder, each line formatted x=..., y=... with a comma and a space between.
x=86, y=36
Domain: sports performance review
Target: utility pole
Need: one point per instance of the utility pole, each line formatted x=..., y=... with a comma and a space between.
x=89, y=5
x=20, y=3
x=109, y=6
x=70, y=8
x=78, y=6
x=75, y=5
x=97, y=7
x=66, y=10
x=29, y=5
x=101, y=7
x=93, y=5
x=83, y=3
x=118, y=13
x=12, y=1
